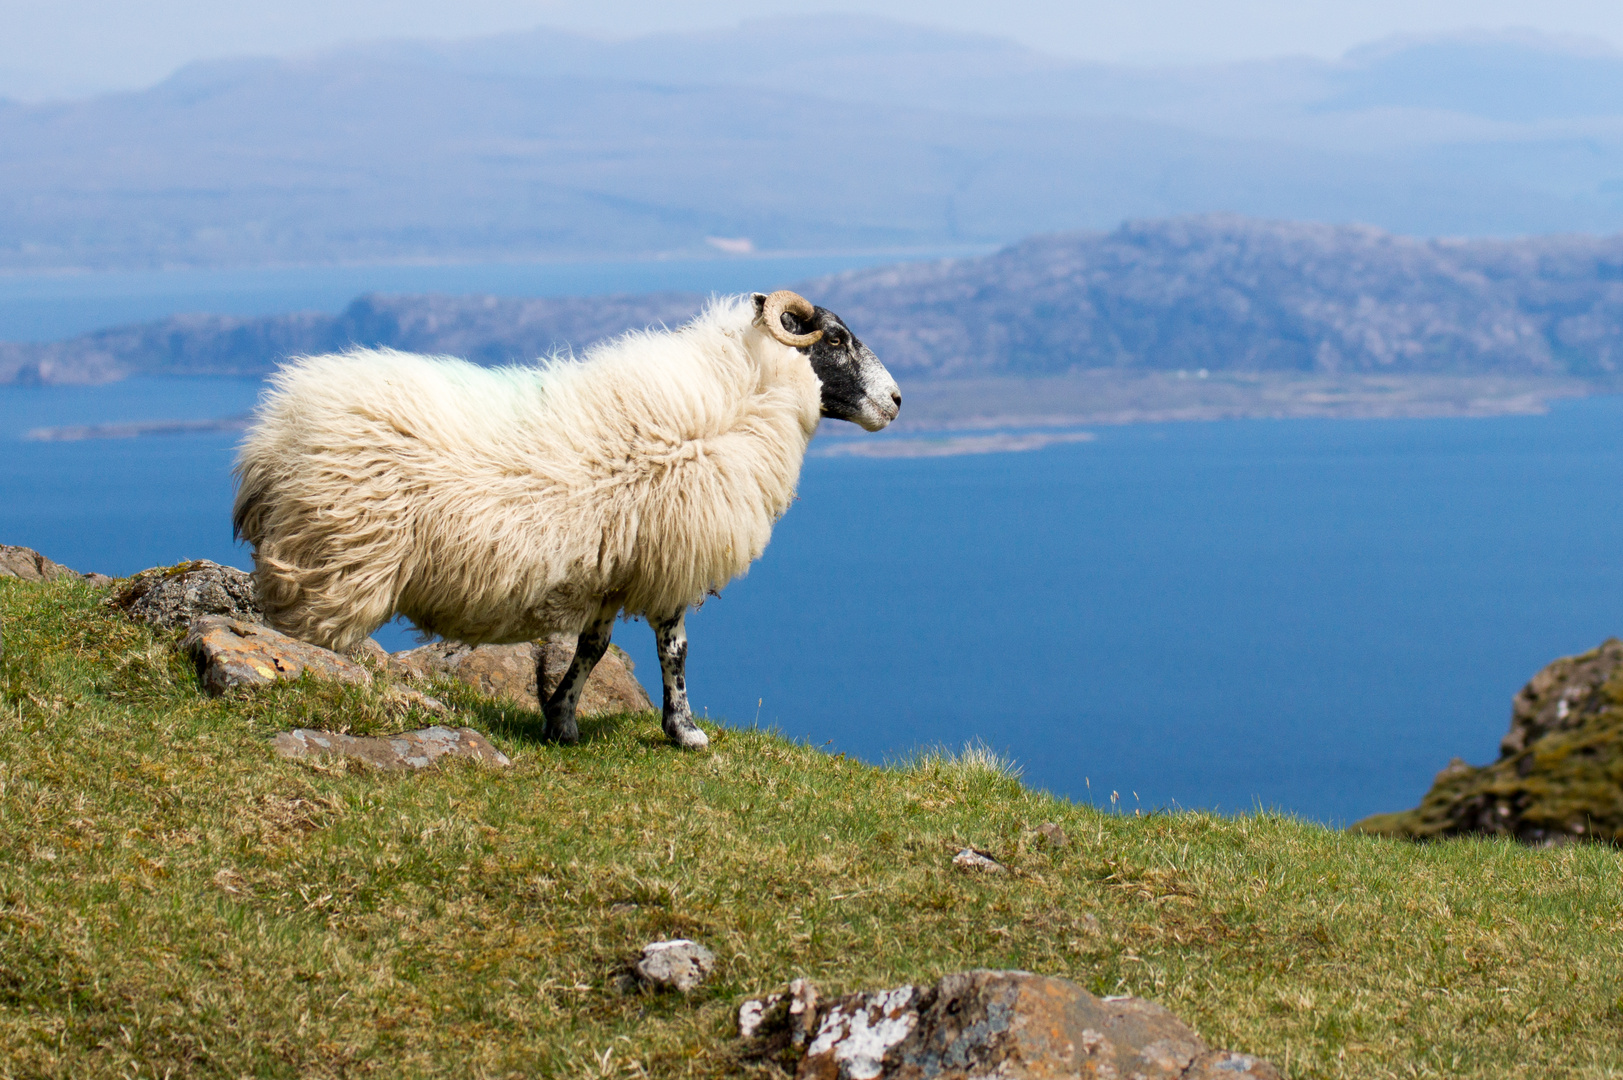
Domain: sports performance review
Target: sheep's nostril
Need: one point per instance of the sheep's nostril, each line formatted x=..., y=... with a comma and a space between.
x=896, y=396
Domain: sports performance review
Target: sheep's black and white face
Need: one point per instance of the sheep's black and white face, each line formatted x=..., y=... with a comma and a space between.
x=856, y=386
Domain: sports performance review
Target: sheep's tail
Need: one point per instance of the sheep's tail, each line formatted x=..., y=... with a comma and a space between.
x=247, y=512
x=322, y=574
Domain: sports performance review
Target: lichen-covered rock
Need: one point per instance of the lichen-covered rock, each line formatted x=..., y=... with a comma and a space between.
x=508, y=671
x=231, y=653
x=408, y=750
x=171, y=597
x=678, y=964
x=1559, y=776
x=29, y=565
x=1012, y=1025
x=789, y=1018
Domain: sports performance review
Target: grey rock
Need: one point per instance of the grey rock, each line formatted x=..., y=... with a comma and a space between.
x=407, y=750
x=230, y=653
x=1012, y=1025
x=1051, y=835
x=983, y=862
x=172, y=597
x=26, y=564
x=678, y=964
x=508, y=671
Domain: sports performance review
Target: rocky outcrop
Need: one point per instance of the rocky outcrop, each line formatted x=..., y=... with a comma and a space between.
x=173, y=597
x=1559, y=776
x=232, y=647
x=27, y=564
x=408, y=750
x=509, y=671
x=1012, y=1025
x=232, y=652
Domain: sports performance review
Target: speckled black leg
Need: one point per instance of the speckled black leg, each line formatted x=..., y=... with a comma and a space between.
x=671, y=637
x=589, y=649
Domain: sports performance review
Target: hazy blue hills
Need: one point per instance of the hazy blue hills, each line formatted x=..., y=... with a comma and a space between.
x=1220, y=292
x=487, y=329
x=1495, y=76
x=826, y=134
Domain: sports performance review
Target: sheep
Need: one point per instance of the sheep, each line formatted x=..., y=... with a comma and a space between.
x=504, y=505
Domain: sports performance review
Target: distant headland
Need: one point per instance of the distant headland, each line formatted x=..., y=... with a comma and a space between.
x=1206, y=317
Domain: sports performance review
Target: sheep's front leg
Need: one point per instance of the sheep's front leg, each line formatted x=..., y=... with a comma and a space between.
x=589, y=649
x=672, y=639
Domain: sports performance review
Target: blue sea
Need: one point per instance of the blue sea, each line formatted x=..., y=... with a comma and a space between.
x=1307, y=615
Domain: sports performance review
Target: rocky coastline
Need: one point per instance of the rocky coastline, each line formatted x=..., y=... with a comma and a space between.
x=1559, y=775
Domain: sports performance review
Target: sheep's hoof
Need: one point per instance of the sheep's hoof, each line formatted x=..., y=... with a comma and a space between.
x=567, y=734
x=687, y=735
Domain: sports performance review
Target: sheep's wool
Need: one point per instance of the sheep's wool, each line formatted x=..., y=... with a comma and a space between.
x=501, y=505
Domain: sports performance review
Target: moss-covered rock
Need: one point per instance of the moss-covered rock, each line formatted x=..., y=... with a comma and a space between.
x=1559, y=776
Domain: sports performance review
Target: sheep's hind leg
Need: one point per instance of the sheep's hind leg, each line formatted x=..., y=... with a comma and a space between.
x=589, y=649
x=671, y=636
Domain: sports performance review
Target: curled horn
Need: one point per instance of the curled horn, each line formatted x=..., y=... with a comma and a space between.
x=772, y=315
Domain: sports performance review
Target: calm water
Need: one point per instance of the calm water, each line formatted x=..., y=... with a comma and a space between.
x=45, y=307
x=1303, y=614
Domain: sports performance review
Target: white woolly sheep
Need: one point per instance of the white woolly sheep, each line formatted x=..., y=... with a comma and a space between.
x=502, y=505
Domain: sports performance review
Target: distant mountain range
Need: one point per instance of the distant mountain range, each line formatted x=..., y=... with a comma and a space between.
x=1221, y=293
x=826, y=134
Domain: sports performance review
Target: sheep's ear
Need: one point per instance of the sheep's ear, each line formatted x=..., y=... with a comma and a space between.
x=760, y=302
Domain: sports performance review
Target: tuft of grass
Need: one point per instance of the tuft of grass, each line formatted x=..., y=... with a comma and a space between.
x=177, y=901
x=974, y=762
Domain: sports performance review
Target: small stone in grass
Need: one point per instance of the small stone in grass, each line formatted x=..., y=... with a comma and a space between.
x=982, y=861
x=1052, y=835
x=678, y=964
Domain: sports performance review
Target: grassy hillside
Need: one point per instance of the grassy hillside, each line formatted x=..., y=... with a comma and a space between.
x=175, y=901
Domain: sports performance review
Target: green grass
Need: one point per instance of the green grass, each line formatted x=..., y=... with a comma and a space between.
x=176, y=901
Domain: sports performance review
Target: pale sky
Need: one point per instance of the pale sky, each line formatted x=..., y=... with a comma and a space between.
x=76, y=46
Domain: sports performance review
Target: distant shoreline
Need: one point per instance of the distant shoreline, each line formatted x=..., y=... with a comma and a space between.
x=949, y=418
x=1113, y=398
x=135, y=430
